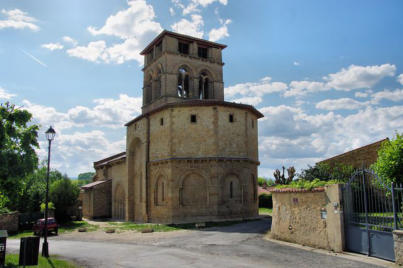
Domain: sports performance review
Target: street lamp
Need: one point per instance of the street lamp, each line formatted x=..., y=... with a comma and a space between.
x=50, y=135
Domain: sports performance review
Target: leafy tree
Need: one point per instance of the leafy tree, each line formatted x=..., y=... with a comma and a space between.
x=63, y=194
x=3, y=203
x=263, y=182
x=389, y=165
x=86, y=176
x=18, y=141
x=324, y=172
x=33, y=187
x=281, y=179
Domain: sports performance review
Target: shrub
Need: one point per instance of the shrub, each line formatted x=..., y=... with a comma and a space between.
x=389, y=165
x=50, y=206
x=324, y=172
x=265, y=201
x=63, y=194
x=308, y=185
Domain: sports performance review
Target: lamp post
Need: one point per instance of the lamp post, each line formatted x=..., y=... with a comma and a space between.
x=50, y=135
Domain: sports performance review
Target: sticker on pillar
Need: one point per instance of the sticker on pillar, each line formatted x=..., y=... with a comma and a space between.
x=323, y=214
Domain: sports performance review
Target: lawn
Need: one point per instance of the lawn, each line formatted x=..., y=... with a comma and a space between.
x=265, y=211
x=74, y=225
x=13, y=259
x=63, y=228
x=130, y=226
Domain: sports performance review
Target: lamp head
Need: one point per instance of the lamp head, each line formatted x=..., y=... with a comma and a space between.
x=50, y=134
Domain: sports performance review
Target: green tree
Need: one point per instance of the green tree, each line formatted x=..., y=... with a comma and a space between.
x=18, y=158
x=33, y=187
x=86, y=176
x=324, y=172
x=265, y=182
x=389, y=165
x=63, y=194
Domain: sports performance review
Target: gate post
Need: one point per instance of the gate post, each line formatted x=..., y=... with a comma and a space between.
x=394, y=207
x=366, y=211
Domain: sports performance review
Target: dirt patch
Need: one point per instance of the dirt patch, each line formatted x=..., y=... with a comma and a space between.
x=119, y=236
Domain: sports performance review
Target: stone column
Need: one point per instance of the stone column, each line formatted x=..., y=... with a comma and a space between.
x=398, y=238
x=334, y=218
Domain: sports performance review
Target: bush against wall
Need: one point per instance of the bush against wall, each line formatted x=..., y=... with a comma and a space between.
x=324, y=172
x=263, y=182
x=63, y=194
x=18, y=141
x=389, y=165
x=265, y=201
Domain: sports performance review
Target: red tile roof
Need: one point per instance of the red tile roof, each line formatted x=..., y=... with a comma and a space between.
x=93, y=184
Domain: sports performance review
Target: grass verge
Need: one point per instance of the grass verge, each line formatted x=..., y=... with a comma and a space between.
x=13, y=259
x=63, y=228
x=130, y=226
x=265, y=211
x=74, y=225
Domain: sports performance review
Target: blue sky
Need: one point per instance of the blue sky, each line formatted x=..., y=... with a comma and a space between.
x=326, y=74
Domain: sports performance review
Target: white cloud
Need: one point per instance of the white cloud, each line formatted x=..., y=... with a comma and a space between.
x=221, y=32
x=107, y=113
x=135, y=22
x=6, y=95
x=47, y=116
x=53, y=46
x=296, y=63
x=289, y=136
x=356, y=77
x=98, y=52
x=194, y=27
x=255, y=89
x=361, y=94
x=94, y=51
x=69, y=40
x=18, y=19
x=75, y=153
x=172, y=11
x=136, y=26
x=249, y=100
x=301, y=88
x=340, y=104
x=395, y=96
x=193, y=6
x=400, y=79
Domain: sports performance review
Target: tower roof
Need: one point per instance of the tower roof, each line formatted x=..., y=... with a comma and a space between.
x=180, y=36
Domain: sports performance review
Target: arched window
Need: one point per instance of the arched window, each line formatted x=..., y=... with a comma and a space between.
x=160, y=195
x=183, y=83
x=148, y=85
x=157, y=91
x=203, y=86
x=231, y=190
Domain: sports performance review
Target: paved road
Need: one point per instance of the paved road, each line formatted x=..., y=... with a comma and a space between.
x=238, y=245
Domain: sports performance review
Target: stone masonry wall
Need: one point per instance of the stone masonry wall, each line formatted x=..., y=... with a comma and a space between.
x=102, y=197
x=9, y=222
x=364, y=156
x=200, y=191
x=398, y=238
x=310, y=218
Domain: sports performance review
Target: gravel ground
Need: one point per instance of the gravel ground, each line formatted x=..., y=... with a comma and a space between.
x=240, y=245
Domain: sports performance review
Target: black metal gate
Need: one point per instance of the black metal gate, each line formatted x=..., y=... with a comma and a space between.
x=369, y=216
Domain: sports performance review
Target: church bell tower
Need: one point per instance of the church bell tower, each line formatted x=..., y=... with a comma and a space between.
x=179, y=68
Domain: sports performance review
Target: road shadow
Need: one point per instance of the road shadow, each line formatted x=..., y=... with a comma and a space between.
x=257, y=226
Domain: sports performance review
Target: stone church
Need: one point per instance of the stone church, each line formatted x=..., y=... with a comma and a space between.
x=190, y=156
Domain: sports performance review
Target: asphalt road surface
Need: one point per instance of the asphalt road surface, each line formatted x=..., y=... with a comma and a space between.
x=240, y=245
